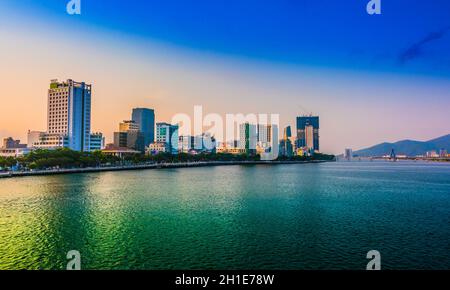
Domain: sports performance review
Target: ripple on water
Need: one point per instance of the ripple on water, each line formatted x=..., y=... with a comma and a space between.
x=315, y=216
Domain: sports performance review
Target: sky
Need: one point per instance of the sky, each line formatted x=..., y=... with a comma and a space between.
x=370, y=78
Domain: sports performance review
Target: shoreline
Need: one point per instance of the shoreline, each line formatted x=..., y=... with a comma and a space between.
x=12, y=174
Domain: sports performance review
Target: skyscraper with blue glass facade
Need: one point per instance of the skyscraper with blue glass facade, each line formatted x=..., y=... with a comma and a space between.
x=308, y=132
x=145, y=119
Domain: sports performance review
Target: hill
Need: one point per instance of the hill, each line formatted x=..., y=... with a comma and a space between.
x=406, y=147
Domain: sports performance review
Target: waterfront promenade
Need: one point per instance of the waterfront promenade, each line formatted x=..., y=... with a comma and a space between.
x=11, y=174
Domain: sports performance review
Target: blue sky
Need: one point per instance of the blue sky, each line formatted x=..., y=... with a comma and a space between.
x=409, y=36
x=370, y=78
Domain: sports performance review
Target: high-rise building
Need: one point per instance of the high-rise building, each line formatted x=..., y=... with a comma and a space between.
x=268, y=144
x=127, y=125
x=120, y=139
x=264, y=135
x=267, y=140
x=129, y=136
x=348, y=154
x=69, y=113
x=186, y=143
x=145, y=119
x=287, y=133
x=309, y=137
x=135, y=141
x=248, y=137
x=286, y=148
x=308, y=133
x=168, y=134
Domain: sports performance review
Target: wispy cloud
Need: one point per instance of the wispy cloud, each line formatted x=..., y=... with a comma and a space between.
x=416, y=49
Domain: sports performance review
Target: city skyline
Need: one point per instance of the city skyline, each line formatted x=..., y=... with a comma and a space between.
x=359, y=106
x=225, y=143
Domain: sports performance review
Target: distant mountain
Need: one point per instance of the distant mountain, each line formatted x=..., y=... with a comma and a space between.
x=441, y=142
x=407, y=147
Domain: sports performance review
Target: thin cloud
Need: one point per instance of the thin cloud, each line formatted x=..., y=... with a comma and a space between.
x=416, y=50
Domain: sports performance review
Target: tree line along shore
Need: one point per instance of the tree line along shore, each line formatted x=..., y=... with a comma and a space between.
x=68, y=159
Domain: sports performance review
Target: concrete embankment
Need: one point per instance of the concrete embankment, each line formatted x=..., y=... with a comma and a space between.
x=146, y=166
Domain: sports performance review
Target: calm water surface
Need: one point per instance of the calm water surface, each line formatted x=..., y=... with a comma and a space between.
x=312, y=216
